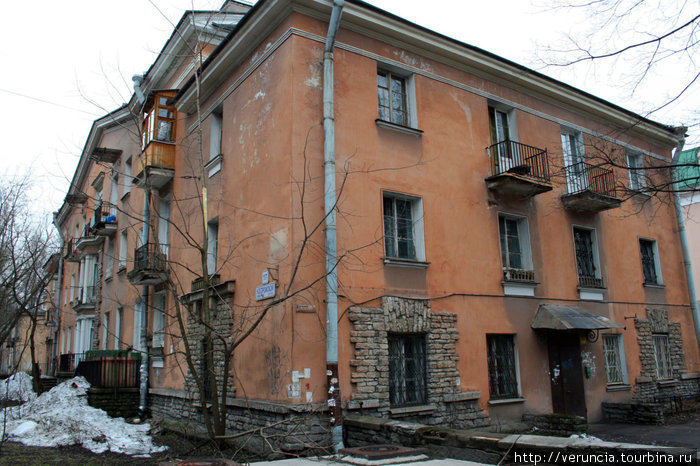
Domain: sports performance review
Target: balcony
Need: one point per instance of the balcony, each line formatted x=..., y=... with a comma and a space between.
x=518, y=170
x=156, y=165
x=88, y=243
x=86, y=299
x=518, y=275
x=106, y=155
x=591, y=188
x=149, y=266
x=198, y=283
x=110, y=368
x=71, y=253
x=590, y=282
x=104, y=221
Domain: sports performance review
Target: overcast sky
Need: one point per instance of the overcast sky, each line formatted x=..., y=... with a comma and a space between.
x=67, y=63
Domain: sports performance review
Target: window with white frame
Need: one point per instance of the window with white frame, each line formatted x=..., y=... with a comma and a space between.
x=122, y=249
x=127, y=176
x=212, y=245
x=105, y=330
x=515, y=248
x=109, y=262
x=407, y=369
x=159, y=320
x=403, y=227
x=396, y=97
x=587, y=265
x=215, y=142
x=574, y=161
x=164, y=226
x=503, y=151
x=662, y=355
x=615, y=370
x=635, y=166
x=502, y=366
x=651, y=268
x=118, y=329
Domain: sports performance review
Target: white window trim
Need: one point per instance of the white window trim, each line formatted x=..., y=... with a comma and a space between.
x=118, y=328
x=411, y=102
x=128, y=174
x=212, y=245
x=637, y=181
x=574, y=182
x=159, y=320
x=418, y=231
x=510, y=114
x=123, y=245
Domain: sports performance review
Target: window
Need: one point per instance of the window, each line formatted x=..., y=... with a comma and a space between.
x=502, y=133
x=391, y=91
x=159, y=320
x=515, y=248
x=407, y=369
x=122, y=250
x=215, y=133
x=503, y=379
x=159, y=121
x=127, y=177
x=105, y=330
x=164, y=226
x=109, y=265
x=615, y=370
x=403, y=227
x=118, y=329
x=212, y=246
x=572, y=149
x=635, y=166
x=587, y=258
x=650, y=263
x=662, y=356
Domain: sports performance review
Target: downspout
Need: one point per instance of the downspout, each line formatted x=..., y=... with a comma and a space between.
x=143, y=370
x=334, y=399
x=58, y=295
x=681, y=231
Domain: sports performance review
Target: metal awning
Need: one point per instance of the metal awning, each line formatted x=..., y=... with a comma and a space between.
x=554, y=317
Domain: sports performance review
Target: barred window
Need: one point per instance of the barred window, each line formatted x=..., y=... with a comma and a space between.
x=662, y=355
x=503, y=382
x=587, y=258
x=650, y=265
x=614, y=370
x=407, y=369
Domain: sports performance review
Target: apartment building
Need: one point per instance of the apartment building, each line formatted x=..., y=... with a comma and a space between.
x=498, y=249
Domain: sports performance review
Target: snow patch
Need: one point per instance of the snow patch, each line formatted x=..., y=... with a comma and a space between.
x=17, y=387
x=585, y=437
x=62, y=416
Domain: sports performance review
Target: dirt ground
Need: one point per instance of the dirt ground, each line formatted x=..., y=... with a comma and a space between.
x=178, y=448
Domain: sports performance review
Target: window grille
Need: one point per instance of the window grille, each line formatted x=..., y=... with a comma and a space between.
x=503, y=381
x=648, y=261
x=398, y=228
x=407, y=369
x=613, y=363
x=585, y=259
x=662, y=355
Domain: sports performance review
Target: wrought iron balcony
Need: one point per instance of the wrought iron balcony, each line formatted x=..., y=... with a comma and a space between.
x=518, y=170
x=591, y=188
x=71, y=253
x=198, y=283
x=150, y=265
x=104, y=221
x=88, y=243
x=86, y=298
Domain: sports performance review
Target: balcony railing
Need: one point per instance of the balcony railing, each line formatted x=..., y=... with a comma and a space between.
x=518, y=275
x=590, y=282
x=519, y=159
x=198, y=283
x=68, y=362
x=104, y=213
x=583, y=176
x=86, y=296
x=105, y=370
x=150, y=265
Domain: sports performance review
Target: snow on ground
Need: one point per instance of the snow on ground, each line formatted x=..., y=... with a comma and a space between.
x=62, y=416
x=17, y=387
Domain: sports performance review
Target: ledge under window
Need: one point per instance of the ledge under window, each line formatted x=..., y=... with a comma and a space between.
x=667, y=383
x=506, y=401
x=591, y=294
x=519, y=288
x=410, y=263
x=618, y=387
x=654, y=285
x=410, y=410
x=399, y=128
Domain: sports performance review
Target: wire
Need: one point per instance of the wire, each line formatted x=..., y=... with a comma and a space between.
x=47, y=102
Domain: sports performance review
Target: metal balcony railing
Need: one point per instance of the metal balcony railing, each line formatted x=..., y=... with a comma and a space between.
x=519, y=159
x=590, y=282
x=519, y=275
x=149, y=257
x=583, y=176
x=105, y=370
x=198, y=283
x=87, y=295
x=104, y=213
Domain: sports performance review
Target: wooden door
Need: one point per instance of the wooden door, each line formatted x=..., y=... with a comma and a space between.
x=566, y=374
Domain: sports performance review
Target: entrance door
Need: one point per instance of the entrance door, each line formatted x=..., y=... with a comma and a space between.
x=566, y=374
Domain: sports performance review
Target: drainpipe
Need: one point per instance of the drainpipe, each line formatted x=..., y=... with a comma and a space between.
x=334, y=400
x=143, y=370
x=58, y=293
x=681, y=231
